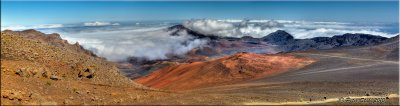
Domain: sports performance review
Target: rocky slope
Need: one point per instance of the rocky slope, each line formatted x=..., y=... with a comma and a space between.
x=229, y=69
x=60, y=59
x=283, y=41
x=53, y=39
x=287, y=43
x=44, y=69
x=386, y=50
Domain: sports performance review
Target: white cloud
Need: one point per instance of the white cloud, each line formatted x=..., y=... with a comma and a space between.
x=210, y=27
x=227, y=28
x=261, y=28
x=153, y=43
x=324, y=32
x=23, y=27
x=99, y=23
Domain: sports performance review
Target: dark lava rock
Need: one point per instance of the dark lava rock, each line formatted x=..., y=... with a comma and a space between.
x=87, y=73
x=350, y=40
x=251, y=40
x=287, y=43
x=179, y=28
x=278, y=37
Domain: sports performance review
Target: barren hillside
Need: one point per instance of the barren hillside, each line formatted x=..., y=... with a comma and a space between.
x=37, y=71
x=229, y=69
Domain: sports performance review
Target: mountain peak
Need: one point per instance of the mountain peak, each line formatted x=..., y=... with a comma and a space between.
x=278, y=37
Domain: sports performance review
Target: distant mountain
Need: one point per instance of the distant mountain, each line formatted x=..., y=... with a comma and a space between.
x=285, y=42
x=327, y=42
x=279, y=37
x=180, y=28
x=386, y=50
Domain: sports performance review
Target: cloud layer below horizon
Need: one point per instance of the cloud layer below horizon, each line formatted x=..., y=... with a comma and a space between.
x=299, y=29
x=150, y=44
x=117, y=41
x=99, y=23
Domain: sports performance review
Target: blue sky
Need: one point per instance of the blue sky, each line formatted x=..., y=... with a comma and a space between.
x=63, y=12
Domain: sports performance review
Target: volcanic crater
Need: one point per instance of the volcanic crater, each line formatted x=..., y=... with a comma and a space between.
x=229, y=69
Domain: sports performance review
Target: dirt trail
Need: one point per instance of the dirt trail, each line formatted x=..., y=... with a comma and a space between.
x=353, y=58
x=322, y=101
x=337, y=69
x=346, y=68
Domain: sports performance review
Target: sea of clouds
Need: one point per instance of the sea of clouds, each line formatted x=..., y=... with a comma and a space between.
x=24, y=27
x=118, y=41
x=299, y=29
x=99, y=23
x=149, y=43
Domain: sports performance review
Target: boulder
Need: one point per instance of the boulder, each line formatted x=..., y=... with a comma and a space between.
x=87, y=73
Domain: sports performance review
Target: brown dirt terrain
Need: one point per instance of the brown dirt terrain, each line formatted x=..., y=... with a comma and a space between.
x=43, y=72
x=229, y=69
x=361, y=72
x=38, y=72
x=330, y=77
x=53, y=39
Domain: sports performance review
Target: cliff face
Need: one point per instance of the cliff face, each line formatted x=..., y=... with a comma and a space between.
x=229, y=69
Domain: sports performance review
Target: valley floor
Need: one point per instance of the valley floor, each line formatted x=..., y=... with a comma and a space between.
x=333, y=79
x=334, y=76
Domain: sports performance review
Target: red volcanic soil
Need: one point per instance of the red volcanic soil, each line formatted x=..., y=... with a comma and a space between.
x=229, y=69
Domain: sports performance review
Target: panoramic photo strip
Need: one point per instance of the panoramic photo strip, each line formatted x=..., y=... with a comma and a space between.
x=129, y=52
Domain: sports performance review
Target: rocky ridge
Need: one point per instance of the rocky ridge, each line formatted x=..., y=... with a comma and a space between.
x=53, y=39
x=44, y=69
x=285, y=42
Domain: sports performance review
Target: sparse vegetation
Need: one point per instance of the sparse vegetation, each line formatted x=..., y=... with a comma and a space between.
x=48, y=83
